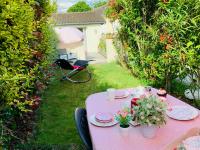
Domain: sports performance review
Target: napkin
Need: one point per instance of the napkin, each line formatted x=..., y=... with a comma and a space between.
x=104, y=117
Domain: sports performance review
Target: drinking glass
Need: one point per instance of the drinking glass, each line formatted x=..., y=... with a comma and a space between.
x=111, y=94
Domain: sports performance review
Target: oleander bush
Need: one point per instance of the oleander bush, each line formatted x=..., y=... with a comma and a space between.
x=27, y=47
x=160, y=37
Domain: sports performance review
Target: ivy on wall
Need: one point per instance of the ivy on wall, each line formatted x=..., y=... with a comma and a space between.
x=27, y=46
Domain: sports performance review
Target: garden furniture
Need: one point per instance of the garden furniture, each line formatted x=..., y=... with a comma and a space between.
x=82, y=127
x=67, y=56
x=110, y=138
x=75, y=68
x=69, y=35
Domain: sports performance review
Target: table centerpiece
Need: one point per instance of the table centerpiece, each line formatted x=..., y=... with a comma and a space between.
x=150, y=113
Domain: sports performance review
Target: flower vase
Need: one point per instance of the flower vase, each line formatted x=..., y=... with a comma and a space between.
x=149, y=131
x=124, y=130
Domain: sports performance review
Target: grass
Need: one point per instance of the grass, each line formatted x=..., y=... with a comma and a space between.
x=55, y=123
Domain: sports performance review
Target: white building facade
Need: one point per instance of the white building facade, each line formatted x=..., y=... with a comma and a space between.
x=93, y=25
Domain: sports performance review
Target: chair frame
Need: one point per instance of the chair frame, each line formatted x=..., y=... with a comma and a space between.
x=74, y=71
x=87, y=142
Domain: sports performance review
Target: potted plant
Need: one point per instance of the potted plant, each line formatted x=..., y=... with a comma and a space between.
x=123, y=117
x=150, y=113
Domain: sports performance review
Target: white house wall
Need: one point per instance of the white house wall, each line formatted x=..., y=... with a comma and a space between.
x=91, y=41
x=93, y=35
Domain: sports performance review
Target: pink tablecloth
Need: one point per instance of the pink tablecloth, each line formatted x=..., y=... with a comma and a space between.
x=110, y=138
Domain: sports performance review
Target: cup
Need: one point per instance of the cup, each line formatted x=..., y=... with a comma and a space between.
x=162, y=92
x=111, y=94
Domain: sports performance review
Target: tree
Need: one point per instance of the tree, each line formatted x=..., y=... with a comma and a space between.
x=81, y=6
x=99, y=3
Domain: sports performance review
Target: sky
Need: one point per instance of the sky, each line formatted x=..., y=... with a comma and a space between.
x=63, y=5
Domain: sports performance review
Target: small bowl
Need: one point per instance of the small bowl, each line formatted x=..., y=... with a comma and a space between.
x=163, y=94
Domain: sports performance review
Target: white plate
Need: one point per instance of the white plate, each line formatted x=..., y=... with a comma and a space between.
x=182, y=113
x=99, y=124
x=192, y=143
x=125, y=95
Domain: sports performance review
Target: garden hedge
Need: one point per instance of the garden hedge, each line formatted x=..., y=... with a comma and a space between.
x=27, y=46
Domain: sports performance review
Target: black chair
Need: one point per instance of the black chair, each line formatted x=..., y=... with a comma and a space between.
x=82, y=127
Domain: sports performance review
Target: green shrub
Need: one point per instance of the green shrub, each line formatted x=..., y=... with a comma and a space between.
x=80, y=6
x=27, y=44
x=161, y=38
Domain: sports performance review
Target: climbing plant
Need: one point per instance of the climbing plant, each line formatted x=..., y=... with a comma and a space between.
x=27, y=46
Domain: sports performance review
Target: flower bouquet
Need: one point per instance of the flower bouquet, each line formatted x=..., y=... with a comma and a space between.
x=150, y=112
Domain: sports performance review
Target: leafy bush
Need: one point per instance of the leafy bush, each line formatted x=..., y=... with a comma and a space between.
x=161, y=38
x=80, y=6
x=27, y=44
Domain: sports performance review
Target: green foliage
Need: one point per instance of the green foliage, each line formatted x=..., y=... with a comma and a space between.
x=26, y=47
x=80, y=6
x=99, y=3
x=150, y=111
x=160, y=37
x=102, y=46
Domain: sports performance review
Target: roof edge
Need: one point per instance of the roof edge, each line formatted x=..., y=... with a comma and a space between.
x=88, y=23
x=90, y=11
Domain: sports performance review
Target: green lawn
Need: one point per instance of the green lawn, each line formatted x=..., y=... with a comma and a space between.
x=56, y=121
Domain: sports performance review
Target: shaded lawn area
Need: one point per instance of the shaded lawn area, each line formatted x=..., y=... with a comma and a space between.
x=56, y=115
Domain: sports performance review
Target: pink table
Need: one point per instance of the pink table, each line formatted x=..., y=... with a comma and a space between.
x=109, y=138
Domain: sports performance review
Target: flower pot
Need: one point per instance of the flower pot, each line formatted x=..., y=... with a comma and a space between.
x=124, y=130
x=149, y=131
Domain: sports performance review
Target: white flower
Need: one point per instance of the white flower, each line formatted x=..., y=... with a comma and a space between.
x=158, y=109
x=149, y=106
x=154, y=118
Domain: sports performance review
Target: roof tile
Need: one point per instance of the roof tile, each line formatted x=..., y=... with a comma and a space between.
x=96, y=16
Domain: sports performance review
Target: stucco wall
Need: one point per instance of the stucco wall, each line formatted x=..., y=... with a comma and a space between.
x=110, y=50
x=91, y=41
x=93, y=35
